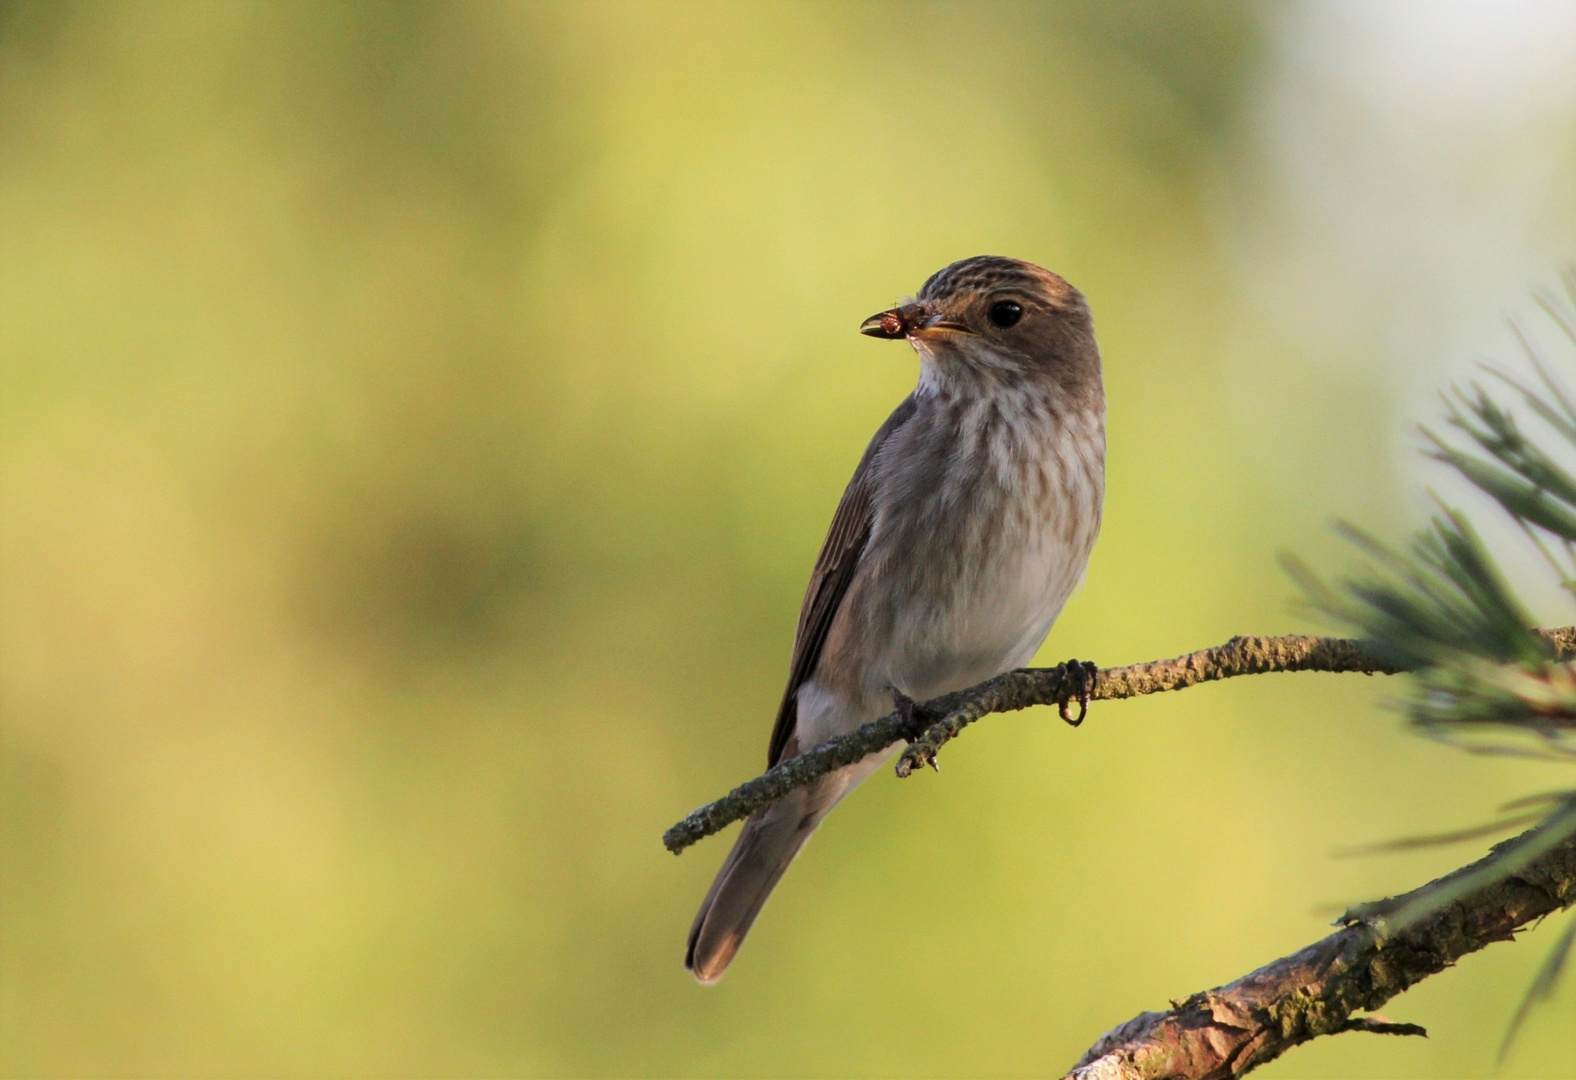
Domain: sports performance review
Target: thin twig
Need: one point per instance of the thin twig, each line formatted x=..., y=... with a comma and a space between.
x=941, y=719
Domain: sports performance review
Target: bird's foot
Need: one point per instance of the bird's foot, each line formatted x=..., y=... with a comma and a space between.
x=906, y=707
x=1078, y=685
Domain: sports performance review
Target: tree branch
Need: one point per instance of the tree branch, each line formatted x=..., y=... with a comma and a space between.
x=1384, y=949
x=938, y=721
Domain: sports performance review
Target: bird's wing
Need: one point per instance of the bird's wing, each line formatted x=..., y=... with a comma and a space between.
x=829, y=581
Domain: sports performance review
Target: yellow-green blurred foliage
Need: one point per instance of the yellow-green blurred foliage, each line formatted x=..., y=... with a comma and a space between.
x=418, y=423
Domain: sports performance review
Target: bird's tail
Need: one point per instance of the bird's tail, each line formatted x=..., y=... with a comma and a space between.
x=768, y=843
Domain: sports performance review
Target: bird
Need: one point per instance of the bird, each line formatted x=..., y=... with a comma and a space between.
x=967, y=525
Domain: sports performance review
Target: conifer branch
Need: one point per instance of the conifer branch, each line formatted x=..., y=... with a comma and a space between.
x=936, y=722
x=1380, y=951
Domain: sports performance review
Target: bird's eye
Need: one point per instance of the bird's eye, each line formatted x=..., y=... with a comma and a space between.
x=1005, y=313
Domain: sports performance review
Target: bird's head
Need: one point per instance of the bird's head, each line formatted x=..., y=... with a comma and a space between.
x=1000, y=317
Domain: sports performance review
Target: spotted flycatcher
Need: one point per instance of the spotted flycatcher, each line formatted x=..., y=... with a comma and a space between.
x=964, y=530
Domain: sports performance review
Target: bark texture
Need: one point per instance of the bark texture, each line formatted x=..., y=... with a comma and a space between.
x=936, y=722
x=1380, y=952
x=1383, y=947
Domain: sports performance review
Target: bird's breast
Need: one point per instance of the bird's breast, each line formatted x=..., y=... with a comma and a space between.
x=982, y=531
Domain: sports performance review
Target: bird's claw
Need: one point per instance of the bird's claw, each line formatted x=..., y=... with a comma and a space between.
x=916, y=755
x=1078, y=676
x=905, y=707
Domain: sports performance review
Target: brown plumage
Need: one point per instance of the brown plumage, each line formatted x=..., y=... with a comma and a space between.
x=966, y=526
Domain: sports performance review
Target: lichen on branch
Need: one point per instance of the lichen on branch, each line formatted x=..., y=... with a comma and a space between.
x=938, y=721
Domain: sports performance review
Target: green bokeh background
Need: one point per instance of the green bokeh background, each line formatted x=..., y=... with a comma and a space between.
x=416, y=426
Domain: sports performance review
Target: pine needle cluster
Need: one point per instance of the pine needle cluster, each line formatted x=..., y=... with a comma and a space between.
x=1484, y=678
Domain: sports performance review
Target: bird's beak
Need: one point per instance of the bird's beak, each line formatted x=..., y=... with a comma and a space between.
x=910, y=320
x=891, y=324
